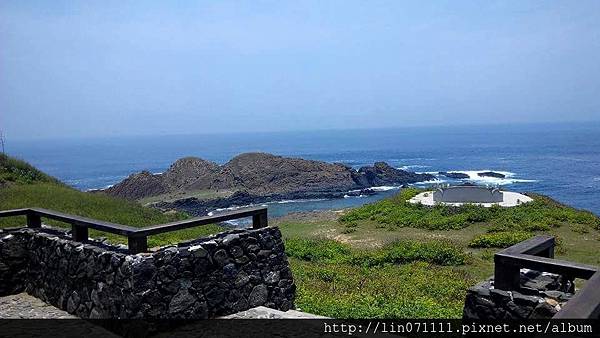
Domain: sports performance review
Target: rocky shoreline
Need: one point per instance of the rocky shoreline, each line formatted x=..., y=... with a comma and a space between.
x=198, y=207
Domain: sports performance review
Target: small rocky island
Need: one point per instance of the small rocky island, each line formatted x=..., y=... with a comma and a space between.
x=256, y=178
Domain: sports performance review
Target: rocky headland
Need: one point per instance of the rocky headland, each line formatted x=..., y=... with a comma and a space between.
x=257, y=178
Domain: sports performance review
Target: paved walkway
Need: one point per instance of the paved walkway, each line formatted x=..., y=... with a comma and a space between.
x=25, y=306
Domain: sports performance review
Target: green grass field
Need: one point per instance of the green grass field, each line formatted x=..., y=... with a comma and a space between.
x=24, y=186
x=389, y=259
x=473, y=233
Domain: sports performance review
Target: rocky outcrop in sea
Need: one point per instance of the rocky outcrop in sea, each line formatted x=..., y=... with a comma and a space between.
x=459, y=176
x=491, y=174
x=263, y=176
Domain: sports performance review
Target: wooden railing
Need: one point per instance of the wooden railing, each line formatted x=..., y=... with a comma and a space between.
x=137, y=238
x=537, y=254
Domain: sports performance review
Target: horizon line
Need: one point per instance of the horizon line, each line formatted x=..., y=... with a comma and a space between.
x=286, y=131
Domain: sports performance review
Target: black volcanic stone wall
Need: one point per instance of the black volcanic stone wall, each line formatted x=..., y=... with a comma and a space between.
x=209, y=277
x=541, y=296
x=13, y=257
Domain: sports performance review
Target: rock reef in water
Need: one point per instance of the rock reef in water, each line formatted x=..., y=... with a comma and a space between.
x=454, y=175
x=262, y=175
x=491, y=174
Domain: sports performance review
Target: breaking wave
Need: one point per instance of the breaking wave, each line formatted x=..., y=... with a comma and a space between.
x=509, y=177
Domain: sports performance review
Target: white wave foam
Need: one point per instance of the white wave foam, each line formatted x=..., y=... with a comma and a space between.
x=384, y=188
x=233, y=222
x=359, y=196
x=229, y=208
x=300, y=200
x=103, y=188
x=414, y=166
x=509, y=177
x=432, y=181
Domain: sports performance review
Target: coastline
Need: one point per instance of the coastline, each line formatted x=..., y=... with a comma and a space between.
x=553, y=166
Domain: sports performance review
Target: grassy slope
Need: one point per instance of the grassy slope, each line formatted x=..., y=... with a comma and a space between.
x=418, y=288
x=21, y=185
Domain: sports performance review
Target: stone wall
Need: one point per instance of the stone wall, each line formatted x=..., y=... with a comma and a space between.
x=541, y=296
x=209, y=277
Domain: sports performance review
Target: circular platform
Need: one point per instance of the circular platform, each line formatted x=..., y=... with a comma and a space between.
x=510, y=199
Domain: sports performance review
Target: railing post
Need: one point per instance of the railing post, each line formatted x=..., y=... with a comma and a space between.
x=137, y=244
x=549, y=253
x=506, y=276
x=33, y=220
x=260, y=220
x=79, y=232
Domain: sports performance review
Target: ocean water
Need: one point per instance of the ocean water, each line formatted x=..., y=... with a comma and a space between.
x=562, y=161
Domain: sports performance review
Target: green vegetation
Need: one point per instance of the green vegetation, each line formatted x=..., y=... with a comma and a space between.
x=501, y=239
x=413, y=290
x=24, y=186
x=404, y=279
x=16, y=171
x=389, y=259
x=541, y=214
x=399, y=252
x=385, y=259
x=503, y=226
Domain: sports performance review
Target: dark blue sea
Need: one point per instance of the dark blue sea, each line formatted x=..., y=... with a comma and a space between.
x=559, y=160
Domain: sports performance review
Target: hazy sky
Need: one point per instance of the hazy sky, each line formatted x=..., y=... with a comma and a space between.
x=129, y=68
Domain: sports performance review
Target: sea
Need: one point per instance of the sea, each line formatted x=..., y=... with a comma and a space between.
x=558, y=160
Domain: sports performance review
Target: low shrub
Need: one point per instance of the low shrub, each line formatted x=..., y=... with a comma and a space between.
x=580, y=228
x=400, y=252
x=316, y=249
x=502, y=239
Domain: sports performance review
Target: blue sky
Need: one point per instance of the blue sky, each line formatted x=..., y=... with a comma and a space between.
x=102, y=68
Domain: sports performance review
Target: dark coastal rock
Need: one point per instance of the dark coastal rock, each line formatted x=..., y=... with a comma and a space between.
x=383, y=174
x=260, y=175
x=454, y=175
x=360, y=192
x=190, y=173
x=265, y=174
x=138, y=186
x=198, y=207
x=491, y=174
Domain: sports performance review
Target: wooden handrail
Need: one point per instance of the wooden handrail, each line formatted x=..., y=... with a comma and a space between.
x=537, y=254
x=137, y=238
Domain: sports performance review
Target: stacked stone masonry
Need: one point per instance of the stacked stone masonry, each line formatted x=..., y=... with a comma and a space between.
x=541, y=296
x=205, y=278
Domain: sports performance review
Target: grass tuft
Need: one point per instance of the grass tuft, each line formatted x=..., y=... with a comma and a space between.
x=502, y=239
x=399, y=252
